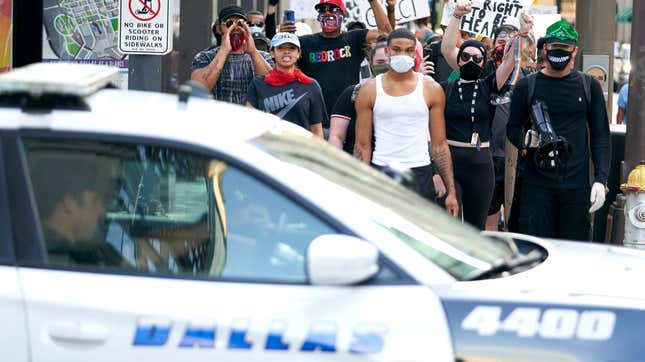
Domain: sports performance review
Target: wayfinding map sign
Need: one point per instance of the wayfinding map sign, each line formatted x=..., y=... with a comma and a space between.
x=145, y=27
x=81, y=29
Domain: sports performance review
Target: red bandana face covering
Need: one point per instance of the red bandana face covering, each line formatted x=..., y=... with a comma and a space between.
x=237, y=40
x=277, y=78
x=330, y=22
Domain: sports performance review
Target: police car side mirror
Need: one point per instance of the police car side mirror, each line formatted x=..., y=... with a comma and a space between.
x=341, y=260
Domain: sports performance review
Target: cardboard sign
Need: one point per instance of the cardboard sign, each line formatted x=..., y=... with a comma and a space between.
x=487, y=15
x=406, y=10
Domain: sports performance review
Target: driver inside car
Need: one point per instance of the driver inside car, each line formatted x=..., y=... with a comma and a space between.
x=73, y=192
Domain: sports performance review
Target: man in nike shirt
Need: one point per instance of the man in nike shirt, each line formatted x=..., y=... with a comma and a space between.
x=286, y=91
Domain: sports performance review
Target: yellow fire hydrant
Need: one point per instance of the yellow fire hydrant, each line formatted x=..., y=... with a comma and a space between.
x=634, y=191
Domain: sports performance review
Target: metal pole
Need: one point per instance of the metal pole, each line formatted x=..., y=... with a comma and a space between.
x=597, y=35
x=635, y=142
x=146, y=72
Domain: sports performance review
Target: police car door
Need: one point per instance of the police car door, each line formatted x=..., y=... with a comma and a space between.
x=156, y=253
x=13, y=333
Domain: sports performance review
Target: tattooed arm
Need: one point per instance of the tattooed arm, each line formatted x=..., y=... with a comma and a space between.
x=208, y=75
x=443, y=163
x=364, y=111
x=436, y=101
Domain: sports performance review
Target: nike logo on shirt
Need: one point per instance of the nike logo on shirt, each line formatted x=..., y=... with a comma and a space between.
x=284, y=102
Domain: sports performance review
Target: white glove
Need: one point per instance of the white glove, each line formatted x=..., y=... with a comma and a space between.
x=597, y=197
x=531, y=139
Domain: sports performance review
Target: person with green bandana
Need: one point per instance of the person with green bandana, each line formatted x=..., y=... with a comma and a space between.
x=556, y=202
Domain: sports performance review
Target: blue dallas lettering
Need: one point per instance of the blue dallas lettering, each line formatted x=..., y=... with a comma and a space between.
x=367, y=339
x=367, y=343
x=274, y=338
x=237, y=340
x=321, y=336
x=151, y=335
x=202, y=337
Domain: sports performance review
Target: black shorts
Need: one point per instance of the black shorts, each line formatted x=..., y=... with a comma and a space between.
x=498, y=192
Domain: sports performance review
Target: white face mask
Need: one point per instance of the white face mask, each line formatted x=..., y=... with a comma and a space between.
x=255, y=29
x=401, y=63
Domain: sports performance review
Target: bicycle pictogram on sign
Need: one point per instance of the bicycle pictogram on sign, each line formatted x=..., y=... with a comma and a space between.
x=144, y=10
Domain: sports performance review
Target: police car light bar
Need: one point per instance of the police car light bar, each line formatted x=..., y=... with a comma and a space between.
x=66, y=79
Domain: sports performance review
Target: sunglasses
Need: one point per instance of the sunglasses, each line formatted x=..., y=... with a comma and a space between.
x=506, y=34
x=259, y=24
x=230, y=23
x=328, y=9
x=466, y=57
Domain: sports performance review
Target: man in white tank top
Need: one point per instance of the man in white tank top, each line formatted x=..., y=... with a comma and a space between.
x=401, y=107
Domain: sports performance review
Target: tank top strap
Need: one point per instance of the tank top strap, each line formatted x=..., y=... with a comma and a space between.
x=419, y=89
x=379, y=85
x=420, y=81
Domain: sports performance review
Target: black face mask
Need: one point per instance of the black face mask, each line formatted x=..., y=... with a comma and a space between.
x=558, y=58
x=470, y=71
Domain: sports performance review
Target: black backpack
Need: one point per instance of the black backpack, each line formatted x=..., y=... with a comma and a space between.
x=586, y=83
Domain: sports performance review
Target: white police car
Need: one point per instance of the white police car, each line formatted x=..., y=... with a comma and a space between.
x=140, y=227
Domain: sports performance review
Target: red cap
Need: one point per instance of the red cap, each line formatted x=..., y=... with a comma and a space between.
x=339, y=3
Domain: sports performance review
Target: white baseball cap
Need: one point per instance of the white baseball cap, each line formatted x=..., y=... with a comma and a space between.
x=283, y=38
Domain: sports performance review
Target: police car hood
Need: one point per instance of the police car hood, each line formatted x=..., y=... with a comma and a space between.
x=596, y=273
x=584, y=303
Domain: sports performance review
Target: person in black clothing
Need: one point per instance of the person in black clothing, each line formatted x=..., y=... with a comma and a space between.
x=468, y=115
x=333, y=57
x=343, y=116
x=503, y=36
x=555, y=203
x=442, y=69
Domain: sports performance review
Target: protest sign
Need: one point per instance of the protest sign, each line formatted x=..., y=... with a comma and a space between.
x=487, y=15
x=405, y=11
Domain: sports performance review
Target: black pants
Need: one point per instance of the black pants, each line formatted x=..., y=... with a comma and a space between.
x=498, y=192
x=423, y=184
x=554, y=213
x=475, y=179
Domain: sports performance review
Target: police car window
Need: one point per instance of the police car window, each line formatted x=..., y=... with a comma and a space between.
x=165, y=212
x=462, y=249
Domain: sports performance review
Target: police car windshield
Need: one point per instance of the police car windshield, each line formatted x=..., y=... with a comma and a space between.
x=461, y=250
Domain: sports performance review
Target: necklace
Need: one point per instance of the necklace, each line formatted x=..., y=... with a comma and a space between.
x=474, y=139
x=472, y=105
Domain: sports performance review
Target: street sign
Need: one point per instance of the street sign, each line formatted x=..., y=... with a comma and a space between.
x=597, y=66
x=145, y=27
